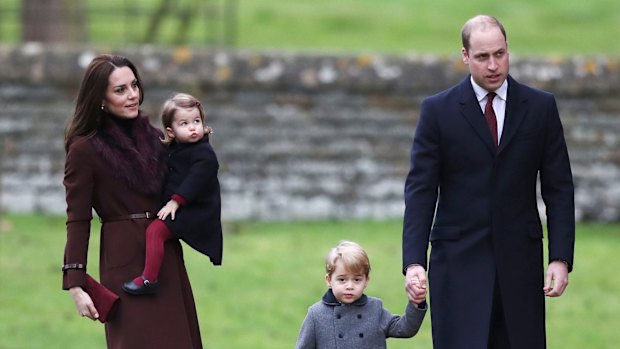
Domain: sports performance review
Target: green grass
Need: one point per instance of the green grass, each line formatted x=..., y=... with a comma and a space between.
x=272, y=272
x=534, y=27
x=391, y=26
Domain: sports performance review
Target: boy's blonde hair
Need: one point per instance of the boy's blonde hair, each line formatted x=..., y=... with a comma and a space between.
x=180, y=101
x=352, y=256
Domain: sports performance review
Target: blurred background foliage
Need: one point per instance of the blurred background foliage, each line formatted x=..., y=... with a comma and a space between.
x=549, y=27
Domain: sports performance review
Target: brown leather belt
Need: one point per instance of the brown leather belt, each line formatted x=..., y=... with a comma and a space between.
x=145, y=215
x=73, y=266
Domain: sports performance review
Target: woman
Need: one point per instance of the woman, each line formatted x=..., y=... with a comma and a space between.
x=115, y=165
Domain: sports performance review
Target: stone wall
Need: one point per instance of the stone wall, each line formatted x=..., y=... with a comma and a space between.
x=298, y=135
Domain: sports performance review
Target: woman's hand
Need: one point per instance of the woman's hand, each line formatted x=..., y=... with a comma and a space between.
x=83, y=303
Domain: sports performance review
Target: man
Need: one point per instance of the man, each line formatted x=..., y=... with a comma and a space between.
x=471, y=193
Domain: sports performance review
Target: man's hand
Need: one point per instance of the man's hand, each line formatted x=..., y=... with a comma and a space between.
x=556, y=279
x=415, y=283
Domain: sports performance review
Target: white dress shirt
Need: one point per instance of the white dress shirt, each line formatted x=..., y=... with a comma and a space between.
x=499, y=104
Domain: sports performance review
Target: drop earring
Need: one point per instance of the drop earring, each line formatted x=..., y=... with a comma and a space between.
x=102, y=107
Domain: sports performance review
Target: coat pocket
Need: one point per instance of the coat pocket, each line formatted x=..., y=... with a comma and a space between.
x=445, y=233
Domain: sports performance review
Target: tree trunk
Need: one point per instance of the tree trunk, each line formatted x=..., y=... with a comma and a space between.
x=54, y=20
x=186, y=19
x=156, y=20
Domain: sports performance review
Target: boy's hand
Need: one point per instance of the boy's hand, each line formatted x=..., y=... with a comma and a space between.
x=169, y=209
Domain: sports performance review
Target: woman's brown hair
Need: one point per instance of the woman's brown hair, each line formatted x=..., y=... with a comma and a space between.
x=88, y=115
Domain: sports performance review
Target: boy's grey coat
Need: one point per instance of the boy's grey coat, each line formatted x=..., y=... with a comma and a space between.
x=363, y=324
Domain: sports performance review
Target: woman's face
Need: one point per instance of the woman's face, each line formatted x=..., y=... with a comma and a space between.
x=122, y=97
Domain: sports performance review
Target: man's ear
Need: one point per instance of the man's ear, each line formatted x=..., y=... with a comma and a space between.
x=465, y=56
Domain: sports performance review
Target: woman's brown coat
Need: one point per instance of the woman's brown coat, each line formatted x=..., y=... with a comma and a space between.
x=99, y=175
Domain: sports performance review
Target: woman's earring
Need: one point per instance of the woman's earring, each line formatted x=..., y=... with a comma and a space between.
x=102, y=107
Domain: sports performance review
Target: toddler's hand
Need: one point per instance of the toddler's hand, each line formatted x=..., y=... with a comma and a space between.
x=169, y=209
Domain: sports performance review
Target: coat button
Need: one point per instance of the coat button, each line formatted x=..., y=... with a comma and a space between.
x=359, y=316
x=338, y=316
x=361, y=335
x=340, y=335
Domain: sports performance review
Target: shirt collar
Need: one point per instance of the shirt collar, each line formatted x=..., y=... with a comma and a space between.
x=501, y=92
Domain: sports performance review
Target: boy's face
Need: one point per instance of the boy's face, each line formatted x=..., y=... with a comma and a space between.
x=346, y=286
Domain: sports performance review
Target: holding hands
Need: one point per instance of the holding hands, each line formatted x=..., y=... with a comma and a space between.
x=415, y=284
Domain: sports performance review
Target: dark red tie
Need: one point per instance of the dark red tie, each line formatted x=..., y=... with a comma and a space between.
x=489, y=115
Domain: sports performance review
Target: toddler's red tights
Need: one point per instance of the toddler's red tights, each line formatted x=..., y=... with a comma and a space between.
x=156, y=235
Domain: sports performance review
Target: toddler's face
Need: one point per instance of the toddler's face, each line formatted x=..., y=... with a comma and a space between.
x=186, y=126
x=346, y=286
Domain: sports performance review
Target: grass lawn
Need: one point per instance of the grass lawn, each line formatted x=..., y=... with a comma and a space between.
x=272, y=272
x=534, y=27
x=391, y=26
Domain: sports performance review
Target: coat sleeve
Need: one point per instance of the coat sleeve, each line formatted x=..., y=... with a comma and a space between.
x=203, y=171
x=557, y=190
x=307, y=333
x=405, y=326
x=79, y=185
x=421, y=188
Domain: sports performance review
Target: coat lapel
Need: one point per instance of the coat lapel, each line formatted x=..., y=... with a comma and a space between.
x=516, y=109
x=470, y=109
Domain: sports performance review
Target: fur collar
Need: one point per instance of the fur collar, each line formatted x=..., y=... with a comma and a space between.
x=136, y=156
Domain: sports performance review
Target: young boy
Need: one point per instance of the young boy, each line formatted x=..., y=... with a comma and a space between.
x=346, y=317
